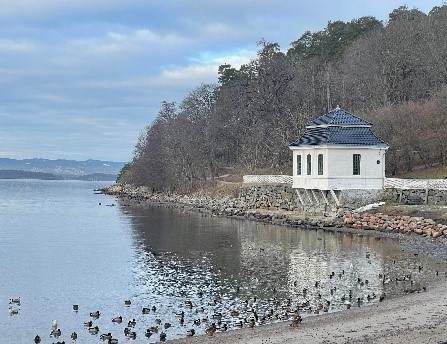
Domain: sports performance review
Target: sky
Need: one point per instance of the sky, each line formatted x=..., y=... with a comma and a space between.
x=81, y=79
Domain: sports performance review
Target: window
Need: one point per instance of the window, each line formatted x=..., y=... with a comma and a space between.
x=320, y=164
x=298, y=165
x=356, y=164
x=309, y=165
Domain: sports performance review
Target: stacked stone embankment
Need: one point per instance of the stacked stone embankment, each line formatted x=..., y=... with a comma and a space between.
x=221, y=206
x=395, y=223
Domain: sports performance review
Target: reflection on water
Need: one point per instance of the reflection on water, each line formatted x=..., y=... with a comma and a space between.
x=62, y=245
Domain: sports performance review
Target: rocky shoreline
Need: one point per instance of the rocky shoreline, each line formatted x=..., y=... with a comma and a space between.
x=420, y=234
x=220, y=206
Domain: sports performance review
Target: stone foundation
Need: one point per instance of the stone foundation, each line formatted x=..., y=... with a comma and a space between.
x=312, y=202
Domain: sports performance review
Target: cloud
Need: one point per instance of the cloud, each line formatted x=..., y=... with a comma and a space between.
x=82, y=78
x=16, y=46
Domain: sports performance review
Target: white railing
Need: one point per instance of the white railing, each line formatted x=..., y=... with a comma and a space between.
x=267, y=179
x=390, y=183
x=396, y=183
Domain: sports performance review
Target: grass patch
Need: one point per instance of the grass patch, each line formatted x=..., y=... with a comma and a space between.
x=438, y=172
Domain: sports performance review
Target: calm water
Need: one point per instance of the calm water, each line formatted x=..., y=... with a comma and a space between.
x=62, y=244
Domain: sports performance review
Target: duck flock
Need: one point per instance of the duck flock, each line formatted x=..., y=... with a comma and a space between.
x=211, y=315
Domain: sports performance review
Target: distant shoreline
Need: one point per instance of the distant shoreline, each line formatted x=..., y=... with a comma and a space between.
x=20, y=174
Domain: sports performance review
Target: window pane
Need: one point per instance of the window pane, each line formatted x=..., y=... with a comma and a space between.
x=356, y=164
x=298, y=165
x=309, y=165
x=320, y=164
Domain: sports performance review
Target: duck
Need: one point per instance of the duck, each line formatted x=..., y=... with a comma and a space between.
x=210, y=330
x=131, y=334
x=55, y=333
x=75, y=308
x=13, y=311
x=167, y=325
x=223, y=327
x=106, y=336
x=131, y=323
x=117, y=319
x=127, y=302
x=162, y=336
x=191, y=332
x=15, y=300
x=95, y=314
x=93, y=330
x=234, y=313
x=153, y=329
x=158, y=321
x=296, y=321
x=88, y=323
x=217, y=315
x=37, y=339
x=146, y=310
x=74, y=336
x=148, y=333
x=239, y=323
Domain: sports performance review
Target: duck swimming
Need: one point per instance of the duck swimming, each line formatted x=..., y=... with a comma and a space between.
x=95, y=314
x=117, y=319
x=55, y=333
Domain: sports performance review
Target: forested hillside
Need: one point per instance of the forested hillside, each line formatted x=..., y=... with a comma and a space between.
x=393, y=74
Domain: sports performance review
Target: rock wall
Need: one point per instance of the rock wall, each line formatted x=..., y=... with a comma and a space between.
x=417, y=196
x=314, y=202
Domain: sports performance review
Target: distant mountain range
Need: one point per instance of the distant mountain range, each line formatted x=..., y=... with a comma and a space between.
x=59, y=169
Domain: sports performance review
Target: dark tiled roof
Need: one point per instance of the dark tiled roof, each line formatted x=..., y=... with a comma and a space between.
x=339, y=136
x=338, y=117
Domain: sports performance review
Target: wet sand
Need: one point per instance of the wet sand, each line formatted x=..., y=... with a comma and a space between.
x=415, y=318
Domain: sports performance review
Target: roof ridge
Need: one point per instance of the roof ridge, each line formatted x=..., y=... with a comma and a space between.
x=340, y=117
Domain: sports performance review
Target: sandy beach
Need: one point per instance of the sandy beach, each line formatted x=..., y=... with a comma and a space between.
x=415, y=318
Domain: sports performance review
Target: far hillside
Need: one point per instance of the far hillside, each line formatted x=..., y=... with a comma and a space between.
x=60, y=169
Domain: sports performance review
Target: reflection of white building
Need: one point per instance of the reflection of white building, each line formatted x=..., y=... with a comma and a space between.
x=338, y=151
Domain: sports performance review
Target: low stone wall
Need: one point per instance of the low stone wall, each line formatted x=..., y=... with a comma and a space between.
x=314, y=202
x=417, y=196
x=397, y=223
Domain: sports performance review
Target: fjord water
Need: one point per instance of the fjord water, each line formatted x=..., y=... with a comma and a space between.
x=62, y=244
